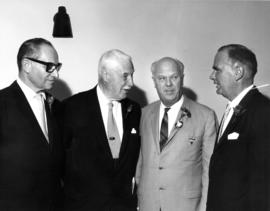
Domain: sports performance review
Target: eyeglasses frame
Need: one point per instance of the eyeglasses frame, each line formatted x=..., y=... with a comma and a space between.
x=50, y=67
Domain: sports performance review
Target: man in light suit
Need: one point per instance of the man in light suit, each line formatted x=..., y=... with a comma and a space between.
x=30, y=147
x=100, y=166
x=239, y=171
x=172, y=171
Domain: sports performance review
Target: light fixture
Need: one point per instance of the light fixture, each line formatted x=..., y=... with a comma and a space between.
x=62, y=25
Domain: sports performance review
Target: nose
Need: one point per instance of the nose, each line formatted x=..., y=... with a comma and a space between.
x=55, y=74
x=212, y=75
x=168, y=82
x=130, y=81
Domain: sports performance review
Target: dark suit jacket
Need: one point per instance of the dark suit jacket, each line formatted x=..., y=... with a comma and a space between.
x=239, y=178
x=93, y=181
x=29, y=166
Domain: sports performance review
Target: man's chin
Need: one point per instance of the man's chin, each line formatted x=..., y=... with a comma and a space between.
x=49, y=86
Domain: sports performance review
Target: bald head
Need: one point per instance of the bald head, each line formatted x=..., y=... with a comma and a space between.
x=168, y=74
x=169, y=63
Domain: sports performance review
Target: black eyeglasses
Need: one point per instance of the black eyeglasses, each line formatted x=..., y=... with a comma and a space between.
x=50, y=67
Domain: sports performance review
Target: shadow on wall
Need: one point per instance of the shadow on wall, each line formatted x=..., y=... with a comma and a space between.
x=138, y=95
x=190, y=93
x=61, y=90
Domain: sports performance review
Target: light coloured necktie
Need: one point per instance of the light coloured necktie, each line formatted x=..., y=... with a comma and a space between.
x=113, y=133
x=42, y=115
x=225, y=116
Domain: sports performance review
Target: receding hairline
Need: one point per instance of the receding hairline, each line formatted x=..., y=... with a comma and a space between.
x=242, y=54
x=179, y=64
x=32, y=47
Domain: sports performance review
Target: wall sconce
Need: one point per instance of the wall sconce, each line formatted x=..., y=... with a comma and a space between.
x=62, y=25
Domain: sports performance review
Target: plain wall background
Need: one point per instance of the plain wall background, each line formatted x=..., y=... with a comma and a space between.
x=147, y=30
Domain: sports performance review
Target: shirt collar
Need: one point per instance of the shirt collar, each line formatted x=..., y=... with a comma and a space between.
x=175, y=106
x=239, y=97
x=28, y=92
x=103, y=99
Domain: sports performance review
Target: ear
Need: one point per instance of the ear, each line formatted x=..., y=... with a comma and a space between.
x=26, y=65
x=154, y=80
x=238, y=71
x=105, y=74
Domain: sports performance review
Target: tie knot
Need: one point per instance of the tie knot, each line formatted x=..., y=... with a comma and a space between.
x=166, y=109
x=40, y=96
x=110, y=104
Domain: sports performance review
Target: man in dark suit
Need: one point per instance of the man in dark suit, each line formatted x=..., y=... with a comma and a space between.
x=239, y=173
x=100, y=166
x=30, y=149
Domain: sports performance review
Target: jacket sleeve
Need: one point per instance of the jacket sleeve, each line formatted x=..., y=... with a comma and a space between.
x=209, y=139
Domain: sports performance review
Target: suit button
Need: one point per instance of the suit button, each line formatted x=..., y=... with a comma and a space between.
x=161, y=188
x=160, y=168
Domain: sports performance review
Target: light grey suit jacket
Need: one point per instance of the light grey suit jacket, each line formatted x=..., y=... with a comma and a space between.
x=176, y=179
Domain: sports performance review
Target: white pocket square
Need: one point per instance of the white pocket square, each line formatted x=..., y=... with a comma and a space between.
x=133, y=131
x=233, y=136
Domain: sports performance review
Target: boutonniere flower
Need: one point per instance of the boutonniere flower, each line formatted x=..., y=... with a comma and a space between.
x=238, y=110
x=185, y=114
x=129, y=109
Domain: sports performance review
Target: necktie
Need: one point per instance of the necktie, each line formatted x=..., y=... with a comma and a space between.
x=49, y=119
x=222, y=125
x=112, y=132
x=164, y=129
x=42, y=115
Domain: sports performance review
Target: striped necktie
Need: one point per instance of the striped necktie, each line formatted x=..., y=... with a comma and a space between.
x=164, y=129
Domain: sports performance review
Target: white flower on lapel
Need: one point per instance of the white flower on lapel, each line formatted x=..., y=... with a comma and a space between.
x=185, y=114
x=233, y=136
x=179, y=124
x=133, y=131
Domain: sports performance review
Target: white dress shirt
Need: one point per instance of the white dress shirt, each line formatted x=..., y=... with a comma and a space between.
x=35, y=105
x=172, y=113
x=232, y=104
x=117, y=111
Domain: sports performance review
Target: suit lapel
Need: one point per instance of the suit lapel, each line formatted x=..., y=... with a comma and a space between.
x=154, y=119
x=243, y=105
x=26, y=111
x=126, y=108
x=96, y=122
x=181, y=117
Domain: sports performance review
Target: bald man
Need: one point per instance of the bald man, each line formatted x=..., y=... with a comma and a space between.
x=101, y=134
x=177, y=138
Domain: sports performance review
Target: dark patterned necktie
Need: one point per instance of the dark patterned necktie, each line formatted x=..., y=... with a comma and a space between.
x=164, y=129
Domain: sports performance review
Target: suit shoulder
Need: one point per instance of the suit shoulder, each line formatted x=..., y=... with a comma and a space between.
x=200, y=106
x=201, y=110
x=150, y=106
x=78, y=98
x=259, y=105
x=7, y=92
